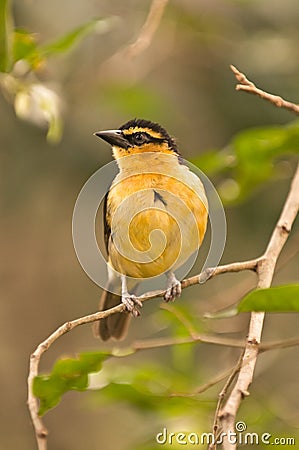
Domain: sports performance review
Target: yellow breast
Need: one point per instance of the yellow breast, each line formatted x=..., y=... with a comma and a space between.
x=157, y=221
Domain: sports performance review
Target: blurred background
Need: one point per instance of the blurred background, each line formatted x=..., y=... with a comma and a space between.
x=183, y=81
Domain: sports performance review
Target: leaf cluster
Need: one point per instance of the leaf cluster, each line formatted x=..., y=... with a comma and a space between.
x=23, y=58
x=250, y=160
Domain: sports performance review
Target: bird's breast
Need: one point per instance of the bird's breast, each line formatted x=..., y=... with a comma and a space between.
x=157, y=221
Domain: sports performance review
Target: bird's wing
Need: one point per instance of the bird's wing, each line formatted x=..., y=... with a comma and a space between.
x=107, y=229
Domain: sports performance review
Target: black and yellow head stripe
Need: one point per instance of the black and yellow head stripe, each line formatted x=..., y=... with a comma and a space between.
x=152, y=129
x=148, y=131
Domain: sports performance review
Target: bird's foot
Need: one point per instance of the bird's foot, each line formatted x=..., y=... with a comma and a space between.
x=174, y=288
x=132, y=304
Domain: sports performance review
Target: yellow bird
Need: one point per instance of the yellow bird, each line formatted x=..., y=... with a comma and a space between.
x=155, y=218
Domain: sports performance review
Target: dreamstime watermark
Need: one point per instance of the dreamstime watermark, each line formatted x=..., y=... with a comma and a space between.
x=90, y=255
x=238, y=437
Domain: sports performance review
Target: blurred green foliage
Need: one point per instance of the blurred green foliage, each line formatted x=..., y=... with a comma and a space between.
x=153, y=387
x=68, y=41
x=25, y=47
x=21, y=59
x=250, y=159
x=68, y=374
x=194, y=44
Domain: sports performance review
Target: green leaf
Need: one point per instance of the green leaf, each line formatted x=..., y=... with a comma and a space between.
x=249, y=160
x=69, y=40
x=274, y=299
x=256, y=151
x=25, y=47
x=67, y=374
x=5, y=36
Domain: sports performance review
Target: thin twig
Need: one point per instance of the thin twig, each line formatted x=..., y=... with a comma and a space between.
x=230, y=373
x=206, y=386
x=149, y=344
x=180, y=317
x=286, y=343
x=221, y=397
x=248, y=86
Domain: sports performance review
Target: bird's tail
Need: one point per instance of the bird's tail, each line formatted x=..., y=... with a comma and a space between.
x=114, y=326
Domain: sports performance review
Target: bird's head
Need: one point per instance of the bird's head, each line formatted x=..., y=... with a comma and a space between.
x=139, y=136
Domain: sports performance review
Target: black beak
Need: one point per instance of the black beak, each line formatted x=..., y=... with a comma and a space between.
x=114, y=138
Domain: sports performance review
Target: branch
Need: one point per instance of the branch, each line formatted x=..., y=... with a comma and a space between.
x=148, y=30
x=227, y=415
x=123, y=57
x=206, y=339
x=248, y=86
x=221, y=397
x=265, y=272
x=40, y=429
x=204, y=387
x=150, y=344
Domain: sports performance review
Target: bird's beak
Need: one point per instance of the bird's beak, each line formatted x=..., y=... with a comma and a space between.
x=114, y=138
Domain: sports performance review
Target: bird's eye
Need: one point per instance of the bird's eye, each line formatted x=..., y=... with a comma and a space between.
x=139, y=138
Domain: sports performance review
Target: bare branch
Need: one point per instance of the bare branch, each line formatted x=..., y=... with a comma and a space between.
x=181, y=318
x=265, y=271
x=40, y=429
x=221, y=397
x=249, y=86
x=204, y=387
x=230, y=374
x=148, y=30
x=125, y=56
x=286, y=343
x=208, y=274
x=149, y=344
x=167, y=342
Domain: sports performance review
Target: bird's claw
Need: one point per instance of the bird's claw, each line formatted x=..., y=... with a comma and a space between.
x=132, y=304
x=174, y=290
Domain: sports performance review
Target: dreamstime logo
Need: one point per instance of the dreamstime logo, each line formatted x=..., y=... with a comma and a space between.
x=131, y=214
x=238, y=437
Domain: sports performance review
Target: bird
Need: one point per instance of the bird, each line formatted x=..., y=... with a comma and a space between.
x=154, y=218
